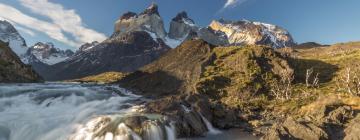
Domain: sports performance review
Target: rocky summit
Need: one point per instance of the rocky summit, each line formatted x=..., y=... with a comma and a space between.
x=149, y=20
x=181, y=25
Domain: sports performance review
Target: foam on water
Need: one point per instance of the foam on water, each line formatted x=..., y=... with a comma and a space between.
x=53, y=111
x=61, y=111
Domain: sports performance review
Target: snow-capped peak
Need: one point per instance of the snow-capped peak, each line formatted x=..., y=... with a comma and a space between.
x=9, y=34
x=46, y=53
x=248, y=32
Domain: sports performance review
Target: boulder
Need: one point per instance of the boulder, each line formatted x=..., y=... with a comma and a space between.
x=352, y=130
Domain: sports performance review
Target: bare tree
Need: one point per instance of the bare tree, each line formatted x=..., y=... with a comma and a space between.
x=307, y=77
x=282, y=87
x=311, y=80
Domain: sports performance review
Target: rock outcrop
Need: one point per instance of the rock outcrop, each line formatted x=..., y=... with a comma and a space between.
x=12, y=70
x=324, y=121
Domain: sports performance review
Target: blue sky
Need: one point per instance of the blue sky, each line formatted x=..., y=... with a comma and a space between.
x=69, y=23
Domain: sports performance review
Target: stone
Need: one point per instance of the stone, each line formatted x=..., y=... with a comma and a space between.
x=352, y=130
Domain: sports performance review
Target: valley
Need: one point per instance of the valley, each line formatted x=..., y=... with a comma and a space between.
x=232, y=79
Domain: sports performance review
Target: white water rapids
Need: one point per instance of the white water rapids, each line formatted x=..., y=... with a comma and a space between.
x=53, y=111
x=70, y=111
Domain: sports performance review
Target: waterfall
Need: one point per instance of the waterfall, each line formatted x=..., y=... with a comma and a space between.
x=127, y=132
x=170, y=132
x=209, y=126
x=153, y=131
x=109, y=136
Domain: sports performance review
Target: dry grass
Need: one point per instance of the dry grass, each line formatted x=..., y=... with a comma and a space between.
x=331, y=100
x=104, y=78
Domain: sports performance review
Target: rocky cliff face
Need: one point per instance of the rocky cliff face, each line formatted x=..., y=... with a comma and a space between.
x=12, y=70
x=148, y=20
x=251, y=33
x=181, y=25
x=9, y=34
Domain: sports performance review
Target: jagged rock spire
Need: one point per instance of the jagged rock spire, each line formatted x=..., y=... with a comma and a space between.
x=181, y=25
x=180, y=16
x=152, y=9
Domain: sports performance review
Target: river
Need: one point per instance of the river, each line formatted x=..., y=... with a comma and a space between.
x=61, y=111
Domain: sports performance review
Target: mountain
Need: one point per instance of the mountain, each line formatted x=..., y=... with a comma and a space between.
x=9, y=34
x=310, y=45
x=86, y=47
x=181, y=26
x=125, y=52
x=139, y=39
x=136, y=41
x=149, y=21
x=251, y=33
x=226, y=33
x=12, y=70
x=46, y=53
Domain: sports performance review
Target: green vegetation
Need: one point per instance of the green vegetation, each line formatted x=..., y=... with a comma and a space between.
x=241, y=76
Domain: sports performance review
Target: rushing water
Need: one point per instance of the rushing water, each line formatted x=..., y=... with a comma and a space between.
x=61, y=111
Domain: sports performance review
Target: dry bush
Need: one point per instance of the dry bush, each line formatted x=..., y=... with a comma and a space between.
x=349, y=81
x=282, y=87
x=311, y=79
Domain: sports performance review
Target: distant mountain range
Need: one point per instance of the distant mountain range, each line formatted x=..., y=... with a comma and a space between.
x=138, y=40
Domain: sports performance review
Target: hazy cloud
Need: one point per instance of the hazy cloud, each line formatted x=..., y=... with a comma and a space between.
x=26, y=30
x=67, y=19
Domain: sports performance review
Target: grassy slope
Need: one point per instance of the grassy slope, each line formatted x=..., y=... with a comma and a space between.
x=330, y=62
x=104, y=78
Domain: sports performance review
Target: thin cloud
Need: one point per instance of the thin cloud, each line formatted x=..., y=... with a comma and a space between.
x=230, y=4
x=52, y=30
x=233, y=3
x=67, y=19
